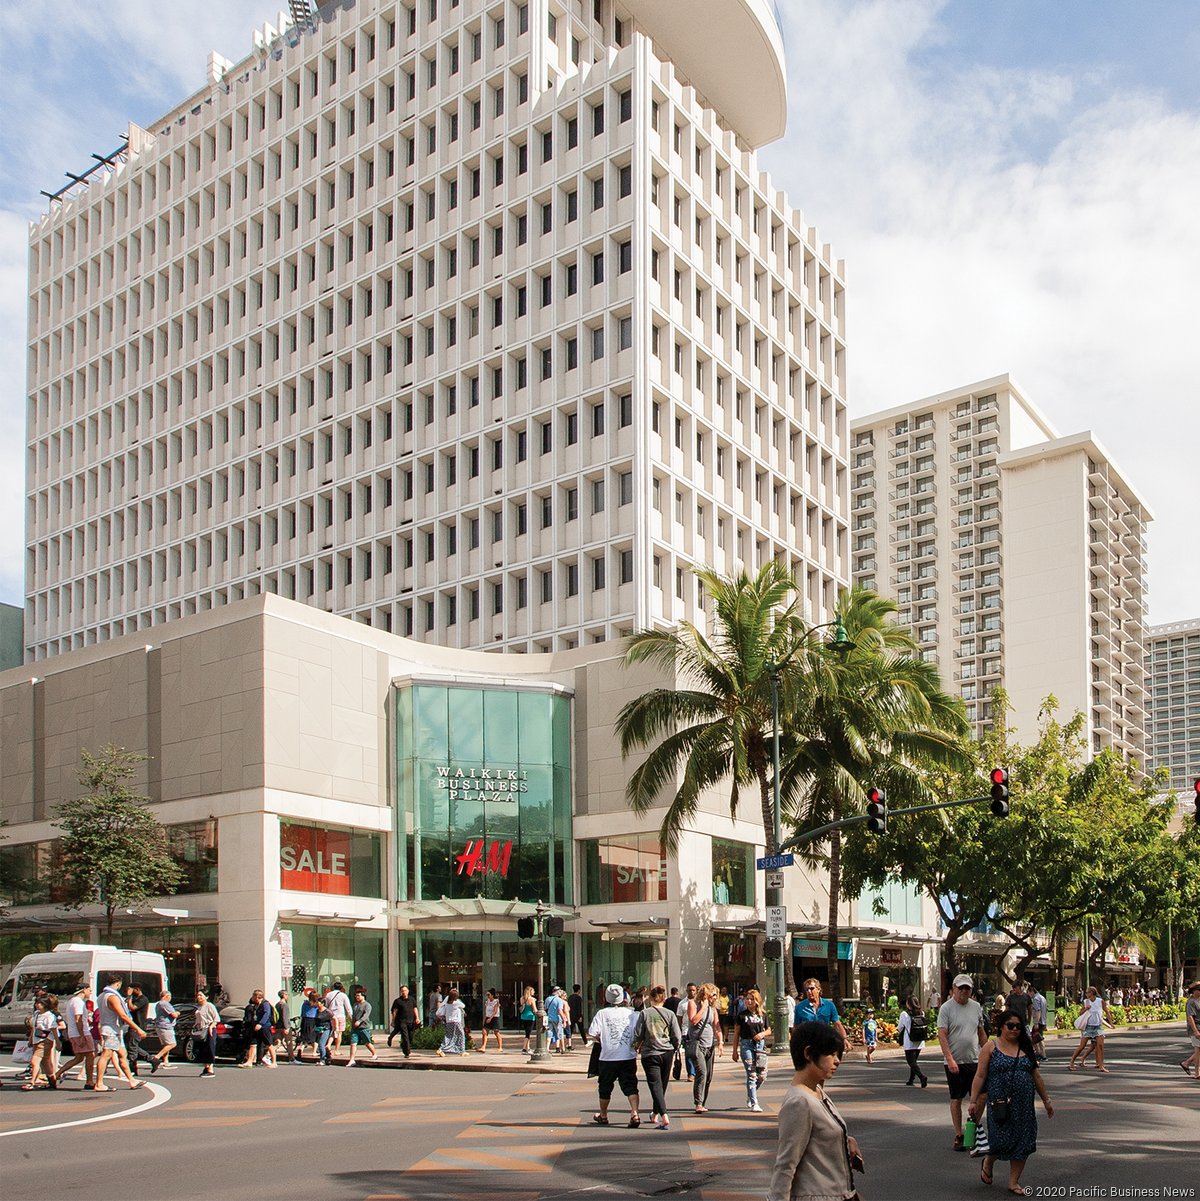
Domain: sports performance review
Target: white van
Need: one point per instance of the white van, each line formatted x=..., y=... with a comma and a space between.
x=65, y=970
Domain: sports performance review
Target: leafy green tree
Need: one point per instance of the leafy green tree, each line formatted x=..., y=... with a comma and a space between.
x=114, y=851
x=716, y=727
x=876, y=715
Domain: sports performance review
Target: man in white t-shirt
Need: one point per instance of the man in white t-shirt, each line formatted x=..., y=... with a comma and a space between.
x=83, y=1046
x=614, y=1027
x=339, y=1006
x=961, y=1032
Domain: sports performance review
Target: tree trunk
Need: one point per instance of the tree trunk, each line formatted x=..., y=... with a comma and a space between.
x=835, y=888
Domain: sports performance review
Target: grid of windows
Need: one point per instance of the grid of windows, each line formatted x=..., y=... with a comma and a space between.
x=288, y=347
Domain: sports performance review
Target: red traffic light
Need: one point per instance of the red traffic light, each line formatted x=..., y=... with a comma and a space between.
x=1196, y=786
x=876, y=797
x=999, y=775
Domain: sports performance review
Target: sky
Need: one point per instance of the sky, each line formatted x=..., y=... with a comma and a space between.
x=1013, y=186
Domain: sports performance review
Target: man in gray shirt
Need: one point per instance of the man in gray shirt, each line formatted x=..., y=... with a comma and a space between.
x=961, y=1032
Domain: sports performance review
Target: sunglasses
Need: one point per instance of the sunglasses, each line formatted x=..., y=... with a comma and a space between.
x=1012, y=1025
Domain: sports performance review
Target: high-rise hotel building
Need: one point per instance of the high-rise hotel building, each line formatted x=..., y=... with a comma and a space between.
x=1173, y=681
x=472, y=321
x=1017, y=556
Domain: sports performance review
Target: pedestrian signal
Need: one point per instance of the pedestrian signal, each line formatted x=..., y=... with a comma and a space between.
x=999, y=792
x=1196, y=797
x=876, y=811
x=524, y=927
x=773, y=948
x=553, y=926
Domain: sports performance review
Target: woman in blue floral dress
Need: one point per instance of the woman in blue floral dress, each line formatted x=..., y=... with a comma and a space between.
x=1008, y=1071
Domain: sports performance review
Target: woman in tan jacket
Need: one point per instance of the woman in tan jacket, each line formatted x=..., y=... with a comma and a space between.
x=816, y=1157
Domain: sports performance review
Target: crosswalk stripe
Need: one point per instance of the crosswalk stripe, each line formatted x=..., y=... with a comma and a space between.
x=470, y=1159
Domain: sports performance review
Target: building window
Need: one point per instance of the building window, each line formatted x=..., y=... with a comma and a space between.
x=733, y=872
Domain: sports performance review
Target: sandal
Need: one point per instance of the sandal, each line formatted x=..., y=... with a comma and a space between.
x=985, y=1176
x=1017, y=1191
x=634, y=1122
x=599, y=1119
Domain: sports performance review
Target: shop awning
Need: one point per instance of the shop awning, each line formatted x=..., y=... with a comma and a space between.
x=979, y=947
x=637, y=928
x=488, y=915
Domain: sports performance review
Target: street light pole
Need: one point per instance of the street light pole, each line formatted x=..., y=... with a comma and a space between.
x=779, y=1043
x=539, y=1053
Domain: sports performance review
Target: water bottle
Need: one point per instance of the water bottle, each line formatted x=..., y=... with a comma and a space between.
x=969, y=1134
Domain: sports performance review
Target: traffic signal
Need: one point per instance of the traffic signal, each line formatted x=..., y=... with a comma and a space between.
x=876, y=811
x=553, y=927
x=525, y=927
x=1196, y=798
x=999, y=792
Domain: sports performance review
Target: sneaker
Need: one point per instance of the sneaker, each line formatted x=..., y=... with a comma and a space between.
x=351, y=1064
x=756, y=1108
x=958, y=1143
x=154, y=1067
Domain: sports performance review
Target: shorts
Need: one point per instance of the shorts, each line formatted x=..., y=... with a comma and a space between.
x=83, y=1044
x=111, y=1039
x=617, y=1071
x=1093, y=1032
x=339, y=1023
x=166, y=1038
x=960, y=1081
x=491, y=1023
x=360, y=1038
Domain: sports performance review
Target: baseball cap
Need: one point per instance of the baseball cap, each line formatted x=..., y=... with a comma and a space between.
x=961, y=979
x=614, y=993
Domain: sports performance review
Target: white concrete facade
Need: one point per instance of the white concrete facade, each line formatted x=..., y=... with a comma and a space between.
x=1017, y=555
x=476, y=322
x=1173, y=682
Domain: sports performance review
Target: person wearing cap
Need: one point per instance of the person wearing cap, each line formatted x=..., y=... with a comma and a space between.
x=615, y=1027
x=961, y=1032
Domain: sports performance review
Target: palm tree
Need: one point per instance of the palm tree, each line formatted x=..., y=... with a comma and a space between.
x=877, y=715
x=717, y=726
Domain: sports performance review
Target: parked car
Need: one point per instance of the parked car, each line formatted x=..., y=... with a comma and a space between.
x=230, y=1043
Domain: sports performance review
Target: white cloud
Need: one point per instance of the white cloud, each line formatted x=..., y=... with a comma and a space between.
x=1005, y=220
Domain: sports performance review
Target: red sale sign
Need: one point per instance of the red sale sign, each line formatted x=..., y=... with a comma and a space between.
x=313, y=860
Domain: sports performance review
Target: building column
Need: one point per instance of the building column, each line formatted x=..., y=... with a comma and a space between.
x=248, y=930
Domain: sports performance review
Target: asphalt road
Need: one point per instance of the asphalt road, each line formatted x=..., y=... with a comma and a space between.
x=376, y=1134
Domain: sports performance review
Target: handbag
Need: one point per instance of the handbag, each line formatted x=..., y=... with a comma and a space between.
x=594, y=1059
x=22, y=1052
x=1081, y=1021
x=677, y=1066
x=1001, y=1110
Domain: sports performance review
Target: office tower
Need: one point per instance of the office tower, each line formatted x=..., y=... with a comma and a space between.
x=475, y=322
x=1173, y=682
x=1016, y=555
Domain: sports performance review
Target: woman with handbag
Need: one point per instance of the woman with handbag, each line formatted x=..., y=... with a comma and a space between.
x=204, y=1033
x=705, y=1040
x=1094, y=1018
x=1008, y=1073
x=657, y=1034
x=817, y=1156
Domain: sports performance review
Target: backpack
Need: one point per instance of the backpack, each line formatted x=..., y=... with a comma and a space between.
x=918, y=1027
x=276, y=1017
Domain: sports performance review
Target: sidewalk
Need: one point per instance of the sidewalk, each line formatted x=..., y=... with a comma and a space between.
x=574, y=1063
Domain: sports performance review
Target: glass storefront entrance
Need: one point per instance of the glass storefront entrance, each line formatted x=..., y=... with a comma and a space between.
x=473, y=963
x=632, y=960
x=323, y=954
